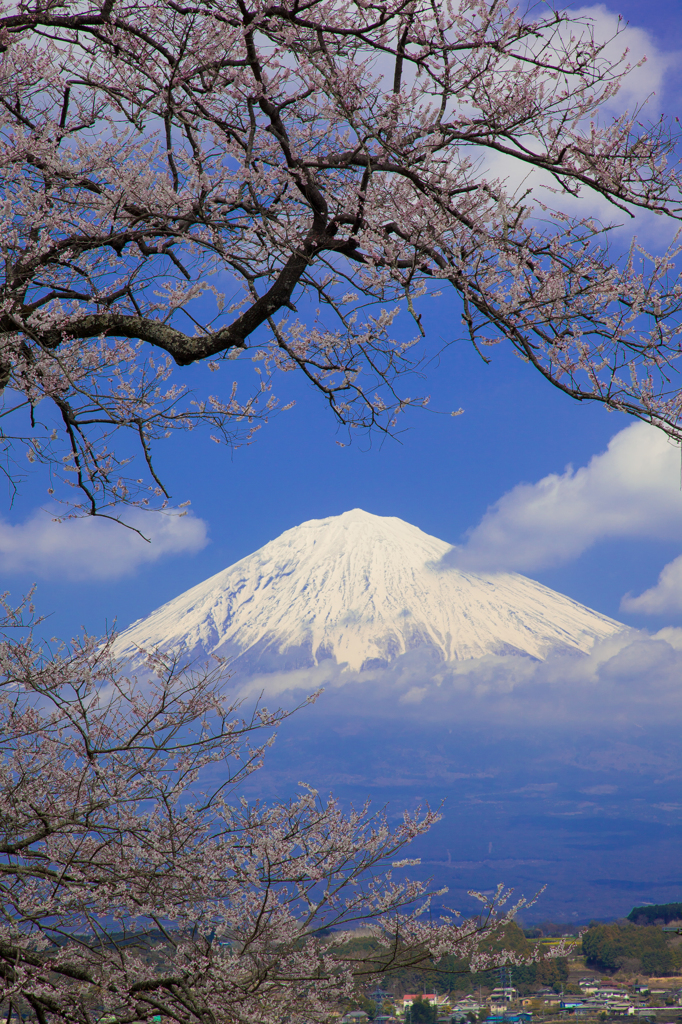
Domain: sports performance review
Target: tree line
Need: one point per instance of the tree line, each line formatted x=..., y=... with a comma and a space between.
x=610, y=947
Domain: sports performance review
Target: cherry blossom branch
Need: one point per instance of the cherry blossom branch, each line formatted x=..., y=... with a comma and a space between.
x=136, y=882
x=155, y=157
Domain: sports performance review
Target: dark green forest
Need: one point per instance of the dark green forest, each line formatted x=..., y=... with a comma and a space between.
x=663, y=912
x=452, y=975
x=612, y=947
x=423, y=1013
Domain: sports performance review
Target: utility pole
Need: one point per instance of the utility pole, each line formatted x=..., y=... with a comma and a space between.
x=379, y=996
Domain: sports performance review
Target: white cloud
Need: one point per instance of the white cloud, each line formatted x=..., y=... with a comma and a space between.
x=630, y=490
x=94, y=548
x=666, y=596
x=643, y=87
x=627, y=683
x=642, y=84
x=415, y=695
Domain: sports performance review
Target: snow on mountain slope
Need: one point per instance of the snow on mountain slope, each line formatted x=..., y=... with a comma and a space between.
x=362, y=589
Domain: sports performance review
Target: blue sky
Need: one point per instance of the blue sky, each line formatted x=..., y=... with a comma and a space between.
x=440, y=473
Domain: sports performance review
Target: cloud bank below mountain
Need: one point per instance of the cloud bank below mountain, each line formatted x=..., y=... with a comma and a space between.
x=627, y=683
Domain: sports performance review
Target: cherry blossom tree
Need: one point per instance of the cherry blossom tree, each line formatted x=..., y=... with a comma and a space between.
x=195, y=181
x=136, y=886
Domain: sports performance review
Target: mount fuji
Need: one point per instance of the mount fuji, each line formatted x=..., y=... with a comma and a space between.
x=549, y=732
x=362, y=590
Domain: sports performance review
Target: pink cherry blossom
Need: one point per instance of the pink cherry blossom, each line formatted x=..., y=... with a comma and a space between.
x=136, y=882
x=188, y=182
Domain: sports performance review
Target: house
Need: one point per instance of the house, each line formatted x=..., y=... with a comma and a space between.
x=426, y=997
x=509, y=1018
x=548, y=995
x=503, y=995
x=595, y=1006
x=468, y=1000
x=467, y=1005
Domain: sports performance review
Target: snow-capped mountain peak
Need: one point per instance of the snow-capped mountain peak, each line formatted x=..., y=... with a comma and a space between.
x=362, y=589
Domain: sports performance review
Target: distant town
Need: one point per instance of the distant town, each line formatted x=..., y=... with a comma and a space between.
x=627, y=968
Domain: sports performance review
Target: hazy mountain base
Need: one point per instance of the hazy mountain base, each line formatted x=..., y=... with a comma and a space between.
x=565, y=773
x=601, y=827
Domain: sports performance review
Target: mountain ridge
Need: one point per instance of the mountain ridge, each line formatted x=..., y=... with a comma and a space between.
x=363, y=590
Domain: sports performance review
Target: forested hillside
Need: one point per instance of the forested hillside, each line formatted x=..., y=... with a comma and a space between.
x=659, y=913
x=612, y=947
x=452, y=975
